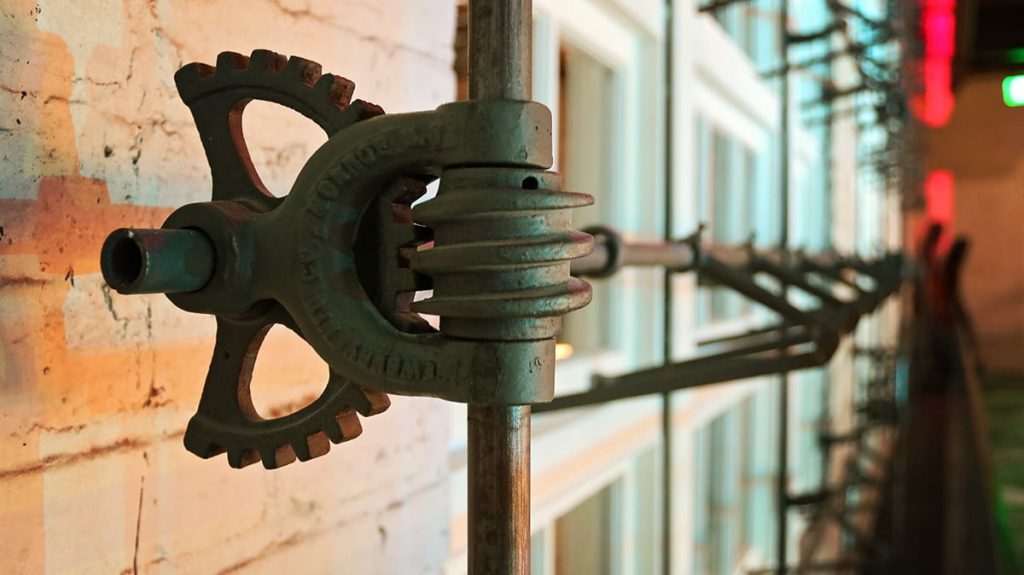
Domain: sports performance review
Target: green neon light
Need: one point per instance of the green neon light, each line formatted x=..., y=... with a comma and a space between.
x=1013, y=91
x=1016, y=56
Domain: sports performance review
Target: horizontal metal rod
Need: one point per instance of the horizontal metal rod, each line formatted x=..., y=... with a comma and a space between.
x=606, y=259
x=612, y=252
x=855, y=50
x=847, y=10
x=832, y=95
x=686, y=375
x=779, y=336
x=810, y=498
x=836, y=26
x=718, y=5
x=806, y=338
x=707, y=343
x=828, y=567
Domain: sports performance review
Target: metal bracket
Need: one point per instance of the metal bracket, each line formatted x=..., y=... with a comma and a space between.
x=802, y=339
x=340, y=257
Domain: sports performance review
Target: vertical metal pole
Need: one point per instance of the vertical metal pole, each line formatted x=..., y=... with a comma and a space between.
x=669, y=304
x=829, y=146
x=499, y=490
x=500, y=66
x=782, y=487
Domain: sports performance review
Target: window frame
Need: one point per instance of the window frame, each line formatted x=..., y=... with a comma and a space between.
x=625, y=48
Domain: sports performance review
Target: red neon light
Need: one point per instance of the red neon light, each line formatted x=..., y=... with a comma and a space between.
x=938, y=196
x=938, y=94
x=940, y=34
x=938, y=30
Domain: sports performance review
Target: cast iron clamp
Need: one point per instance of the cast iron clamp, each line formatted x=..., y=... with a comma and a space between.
x=339, y=259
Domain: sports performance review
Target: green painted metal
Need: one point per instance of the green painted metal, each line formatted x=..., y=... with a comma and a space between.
x=157, y=261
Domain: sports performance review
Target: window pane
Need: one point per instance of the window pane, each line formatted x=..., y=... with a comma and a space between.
x=739, y=20
x=585, y=136
x=585, y=537
x=647, y=513
x=700, y=496
x=726, y=196
x=537, y=553
x=719, y=541
x=722, y=206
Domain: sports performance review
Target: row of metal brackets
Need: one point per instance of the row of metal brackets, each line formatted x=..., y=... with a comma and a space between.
x=841, y=502
x=843, y=288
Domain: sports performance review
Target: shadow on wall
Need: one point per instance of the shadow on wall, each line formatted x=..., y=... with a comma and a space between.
x=52, y=222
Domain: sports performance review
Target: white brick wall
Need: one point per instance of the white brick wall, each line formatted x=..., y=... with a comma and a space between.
x=95, y=388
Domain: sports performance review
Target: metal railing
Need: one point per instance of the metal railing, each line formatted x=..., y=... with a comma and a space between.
x=945, y=516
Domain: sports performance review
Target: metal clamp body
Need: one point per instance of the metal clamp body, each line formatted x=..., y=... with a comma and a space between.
x=340, y=258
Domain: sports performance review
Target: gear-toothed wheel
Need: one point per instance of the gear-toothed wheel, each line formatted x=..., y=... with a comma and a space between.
x=226, y=420
x=339, y=258
x=218, y=95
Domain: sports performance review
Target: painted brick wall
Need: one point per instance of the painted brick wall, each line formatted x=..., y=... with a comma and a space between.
x=96, y=388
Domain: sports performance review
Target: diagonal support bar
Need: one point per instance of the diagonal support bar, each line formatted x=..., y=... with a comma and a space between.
x=802, y=338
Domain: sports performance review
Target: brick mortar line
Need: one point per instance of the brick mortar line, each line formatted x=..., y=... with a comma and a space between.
x=59, y=460
x=124, y=444
x=389, y=44
x=300, y=537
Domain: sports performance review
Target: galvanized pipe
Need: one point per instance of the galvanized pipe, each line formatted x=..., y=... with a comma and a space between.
x=137, y=261
x=500, y=65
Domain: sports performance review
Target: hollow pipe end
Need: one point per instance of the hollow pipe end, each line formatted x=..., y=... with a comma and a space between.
x=137, y=261
x=122, y=261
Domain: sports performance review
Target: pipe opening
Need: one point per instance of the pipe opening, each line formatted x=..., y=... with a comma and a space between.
x=126, y=261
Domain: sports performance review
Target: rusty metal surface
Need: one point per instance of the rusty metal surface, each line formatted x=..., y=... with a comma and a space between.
x=611, y=253
x=498, y=470
x=498, y=437
x=339, y=258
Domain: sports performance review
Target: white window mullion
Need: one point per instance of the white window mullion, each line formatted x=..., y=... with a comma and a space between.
x=626, y=514
x=546, y=70
x=549, y=549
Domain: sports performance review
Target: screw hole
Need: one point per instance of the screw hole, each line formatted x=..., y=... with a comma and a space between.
x=530, y=183
x=126, y=261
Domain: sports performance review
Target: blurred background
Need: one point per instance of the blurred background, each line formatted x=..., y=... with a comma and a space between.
x=848, y=126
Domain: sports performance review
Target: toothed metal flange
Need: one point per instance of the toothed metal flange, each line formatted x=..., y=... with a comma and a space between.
x=226, y=420
x=218, y=95
x=339, y=259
